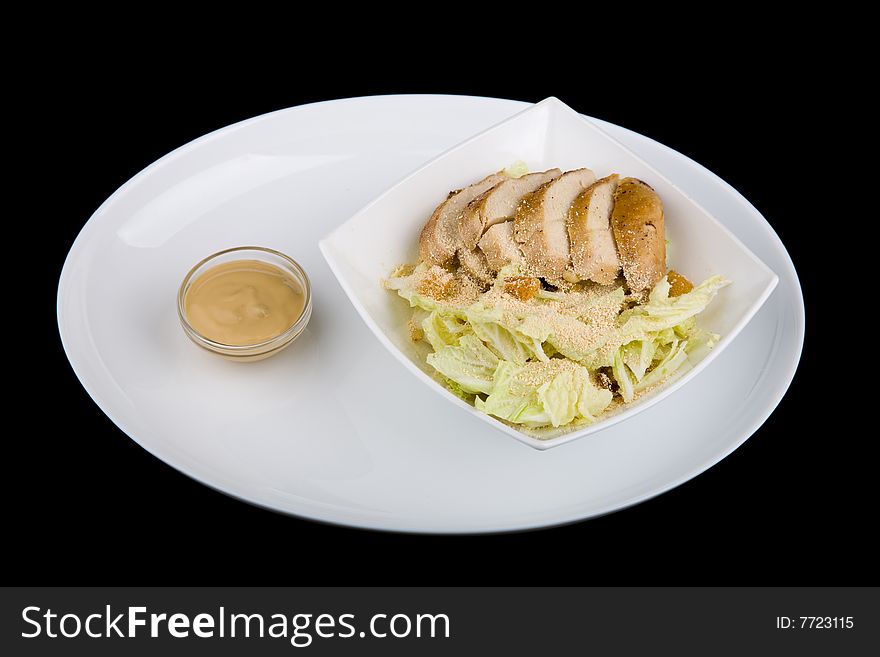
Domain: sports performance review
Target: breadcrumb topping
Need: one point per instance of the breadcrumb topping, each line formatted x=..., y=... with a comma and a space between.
x=678, y=284
x=522, y=287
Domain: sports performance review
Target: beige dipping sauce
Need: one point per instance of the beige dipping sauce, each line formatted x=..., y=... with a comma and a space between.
x=243, y=302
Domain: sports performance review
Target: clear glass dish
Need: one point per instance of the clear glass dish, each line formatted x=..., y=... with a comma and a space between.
x=261, y=350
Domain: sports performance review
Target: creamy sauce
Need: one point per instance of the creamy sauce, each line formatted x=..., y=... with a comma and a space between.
x=243, y=302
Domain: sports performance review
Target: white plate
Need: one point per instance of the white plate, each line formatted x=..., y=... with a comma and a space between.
x=333, y=428
x=385, y=233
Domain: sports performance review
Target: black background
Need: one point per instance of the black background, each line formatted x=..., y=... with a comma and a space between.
x=86, y=503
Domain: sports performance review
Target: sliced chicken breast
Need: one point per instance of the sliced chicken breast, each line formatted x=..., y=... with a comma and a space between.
x=499, y=246
x=498, y=204
x=593, y=253
x=474, y=264
x=540, y=224
x=640, y=233
x=440, y=237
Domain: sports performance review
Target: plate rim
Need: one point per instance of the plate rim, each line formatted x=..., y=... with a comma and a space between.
x=783, y=381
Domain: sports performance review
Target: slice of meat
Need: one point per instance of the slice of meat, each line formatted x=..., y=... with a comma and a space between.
x=474, y=264
x=539, y=224
x=640, y=233
x=593, y=254
x=440, y=237
x=498, y=204
x=499, y=246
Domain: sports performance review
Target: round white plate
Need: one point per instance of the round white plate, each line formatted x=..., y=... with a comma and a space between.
x=334, y=428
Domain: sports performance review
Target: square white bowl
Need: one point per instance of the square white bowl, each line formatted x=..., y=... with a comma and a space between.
x=385, y=233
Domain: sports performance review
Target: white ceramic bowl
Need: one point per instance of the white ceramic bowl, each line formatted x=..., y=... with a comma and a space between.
x=364, y=249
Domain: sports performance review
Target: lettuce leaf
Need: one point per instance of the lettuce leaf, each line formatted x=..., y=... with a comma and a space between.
x=405, y=286
x=514, y=338
x=662, y=311
x=517, y=170
x=538, y=394
x=638, y=356
x=676, y=361
x=661, y=320
x=444, y=330
x=470, y=364
x=657, y=337
x=505, y=343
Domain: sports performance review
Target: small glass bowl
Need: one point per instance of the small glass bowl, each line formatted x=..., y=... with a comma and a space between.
x=248, y=352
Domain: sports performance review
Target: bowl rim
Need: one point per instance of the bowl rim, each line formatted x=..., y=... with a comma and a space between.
x=246, y=349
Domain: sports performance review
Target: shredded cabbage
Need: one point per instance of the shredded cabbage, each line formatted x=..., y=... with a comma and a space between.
x=470, y=364
x=517, y=170
x=537, y=395
x=524, y=368
x=656, y=337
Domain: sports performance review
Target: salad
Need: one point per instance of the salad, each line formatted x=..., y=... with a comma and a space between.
x=545, y=300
